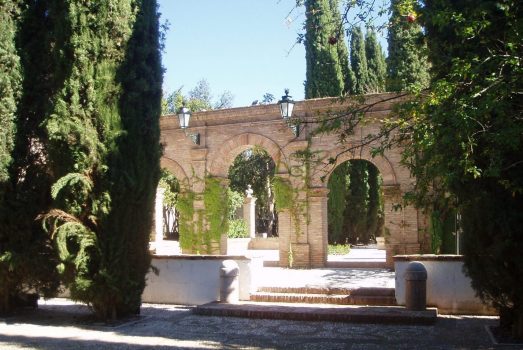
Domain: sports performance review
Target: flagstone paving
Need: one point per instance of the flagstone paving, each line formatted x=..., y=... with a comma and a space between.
x=61, y=324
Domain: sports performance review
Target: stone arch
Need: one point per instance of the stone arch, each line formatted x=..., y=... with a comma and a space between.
x=381, y=162
x=176, y=170
x=224, y=156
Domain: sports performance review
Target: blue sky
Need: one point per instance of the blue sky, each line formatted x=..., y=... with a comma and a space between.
x=244, y=46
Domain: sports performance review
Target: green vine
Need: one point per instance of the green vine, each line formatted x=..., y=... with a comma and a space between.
x=216, y=210
x=200, y=228
x=286, y=197
x=185, y=206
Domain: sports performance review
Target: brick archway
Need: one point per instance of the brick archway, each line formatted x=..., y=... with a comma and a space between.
x=175, y=168
x=384, y=166
x=223, y=134
x=223, y=157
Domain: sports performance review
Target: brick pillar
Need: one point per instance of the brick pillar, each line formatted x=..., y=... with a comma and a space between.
x=220, y=247
x=293, y=236
x=401, y=225
x=317, y=230
x=284, y=233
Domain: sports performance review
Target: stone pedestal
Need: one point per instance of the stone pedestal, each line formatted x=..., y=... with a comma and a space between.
x=158, y=215
x=249, y=212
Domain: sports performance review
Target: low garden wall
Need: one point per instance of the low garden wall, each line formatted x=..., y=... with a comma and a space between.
x=269, y=243
x=448, y=288
x=237, y=246
x=195, y=279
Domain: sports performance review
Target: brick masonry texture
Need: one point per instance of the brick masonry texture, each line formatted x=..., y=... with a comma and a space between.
x=224, y=134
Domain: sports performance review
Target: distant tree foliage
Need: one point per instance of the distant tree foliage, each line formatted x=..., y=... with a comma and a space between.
x=341, y=46
x=358, y=62
x=407, y=63
x=357, y=198
x=376, y=66
x=267, y=98
x=375, y=214
x=355, y=204
x=255, y=167
x=198, y=99
x=336, y=204
x=324, y=76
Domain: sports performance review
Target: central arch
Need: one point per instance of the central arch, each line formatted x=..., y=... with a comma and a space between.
x=381, y=162
x=223, y=157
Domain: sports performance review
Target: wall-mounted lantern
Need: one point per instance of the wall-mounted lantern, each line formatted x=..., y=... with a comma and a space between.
x=184, y=115
x=286, y=108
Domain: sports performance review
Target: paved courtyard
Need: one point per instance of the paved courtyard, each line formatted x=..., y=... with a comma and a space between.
x=61, y=324
x=326, y=277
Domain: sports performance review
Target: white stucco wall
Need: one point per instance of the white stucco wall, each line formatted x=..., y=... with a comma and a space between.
x=194, y=280
x=448, y=288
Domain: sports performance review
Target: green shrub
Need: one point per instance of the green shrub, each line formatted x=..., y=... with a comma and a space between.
x=338, y=249
x=237, y=229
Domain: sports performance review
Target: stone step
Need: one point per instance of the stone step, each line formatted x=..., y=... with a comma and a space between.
x=340, y=299
x=299, y=298
x=320, y=312
x=371, y=291
x=356, y=265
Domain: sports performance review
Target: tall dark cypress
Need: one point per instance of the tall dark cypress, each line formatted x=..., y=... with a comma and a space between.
x=336, y=204
x=27, y=260
x=324, y=75
x=376, y=66
x=358, y=62
x=104, y=151
x=10, y=90
x=375, y=204
x=357, y=202
x=134, y=162
x=10, y=84
x=342, y=49
x=407, y=64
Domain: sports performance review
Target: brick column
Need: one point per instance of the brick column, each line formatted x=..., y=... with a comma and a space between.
x=401, y=225
x=293, y=238
x=317, y=230
x=220, y=247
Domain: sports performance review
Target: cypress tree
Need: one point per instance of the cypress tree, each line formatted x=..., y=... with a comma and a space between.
x=358, y=62
x=324, y=74
x=357, y=202
x=134, y=163
x=27, y=260
x=374, y=206
x=10, y=90
x=336, y=204
x=103, y=144
x=342, y=49
x=10, y=84
x=407, y=64
x=376, y=66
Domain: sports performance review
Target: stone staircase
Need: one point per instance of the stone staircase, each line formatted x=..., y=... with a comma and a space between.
x=318, y=295
x=322, y=303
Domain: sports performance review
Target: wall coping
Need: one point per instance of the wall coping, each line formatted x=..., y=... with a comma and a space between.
x=200, y=257
x=428, y=257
